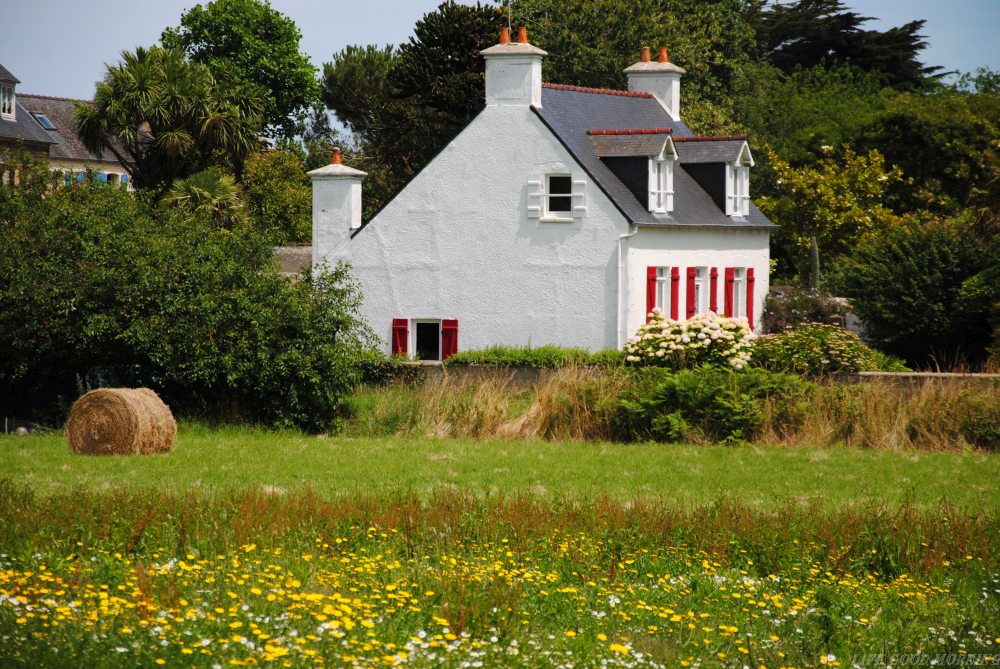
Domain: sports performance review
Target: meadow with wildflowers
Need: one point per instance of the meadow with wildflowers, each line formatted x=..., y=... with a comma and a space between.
x=105, y=574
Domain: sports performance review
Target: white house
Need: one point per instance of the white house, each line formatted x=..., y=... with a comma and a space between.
x=559, y=215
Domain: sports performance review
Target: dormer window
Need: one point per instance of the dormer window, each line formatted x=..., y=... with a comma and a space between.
x=661, y=185
x=7, y=107
x=738, y=190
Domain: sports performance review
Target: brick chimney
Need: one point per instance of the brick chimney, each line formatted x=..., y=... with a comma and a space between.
x=660, y=77
x=513, y=71
x=336, y=205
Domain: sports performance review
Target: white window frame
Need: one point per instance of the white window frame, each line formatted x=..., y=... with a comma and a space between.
x=8, y=102
x=661, y=185
x=560, y=214
x=701, y=289
x=412, y=343
x=738, y=190
x=739, y=292
x=662, y=296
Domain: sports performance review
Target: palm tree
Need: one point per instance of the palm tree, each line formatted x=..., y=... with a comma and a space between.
x=209, y=194
x=165, y=118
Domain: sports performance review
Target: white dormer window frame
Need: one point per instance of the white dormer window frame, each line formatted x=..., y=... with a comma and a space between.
x=738, y=184
x=8, y=102
x=661, y=180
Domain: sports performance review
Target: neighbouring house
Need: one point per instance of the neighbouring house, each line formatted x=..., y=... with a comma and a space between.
x=18, y=129
x=559, y=215
x=45, y=126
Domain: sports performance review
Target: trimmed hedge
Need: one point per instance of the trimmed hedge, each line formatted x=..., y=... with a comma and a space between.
x=540, y=357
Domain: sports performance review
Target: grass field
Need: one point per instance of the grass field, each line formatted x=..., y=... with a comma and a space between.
x=236, y=459
x=244, y=547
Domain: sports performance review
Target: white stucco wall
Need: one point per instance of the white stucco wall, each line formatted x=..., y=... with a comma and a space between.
x=458, y=243
x=694, y=247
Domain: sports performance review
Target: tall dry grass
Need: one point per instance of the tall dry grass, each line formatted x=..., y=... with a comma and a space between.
x=887, y=414
x=579, y=403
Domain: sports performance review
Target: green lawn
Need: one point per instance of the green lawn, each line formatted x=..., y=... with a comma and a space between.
x=232, y=459
x=244, y=547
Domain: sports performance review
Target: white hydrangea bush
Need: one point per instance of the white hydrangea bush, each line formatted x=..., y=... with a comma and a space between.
x=703, y=339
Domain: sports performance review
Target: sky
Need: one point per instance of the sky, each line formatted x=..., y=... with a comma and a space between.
x=59, y=47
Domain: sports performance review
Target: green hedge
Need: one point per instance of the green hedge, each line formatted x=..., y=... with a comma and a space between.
x=542, y=356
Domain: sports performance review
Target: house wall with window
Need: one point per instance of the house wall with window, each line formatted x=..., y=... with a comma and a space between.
x=559, y=215
x=463, y=242
x=703, y=251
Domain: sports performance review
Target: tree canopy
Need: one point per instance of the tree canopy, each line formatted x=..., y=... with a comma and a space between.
x=403, y=105
x=253, y=48
x=816, y=32
x=166, y=118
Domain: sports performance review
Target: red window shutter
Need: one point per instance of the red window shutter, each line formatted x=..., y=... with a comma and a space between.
x=750, y=282
x=692, y=272
x=727, y=299
x=675, y=291
x=400, y=334
x=713, y=290
x=650, y=290
x=449, y=338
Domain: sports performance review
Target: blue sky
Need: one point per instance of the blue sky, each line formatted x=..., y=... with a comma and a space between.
x=59, y=47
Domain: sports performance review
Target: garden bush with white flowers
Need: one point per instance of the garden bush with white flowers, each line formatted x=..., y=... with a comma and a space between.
x=705, y=339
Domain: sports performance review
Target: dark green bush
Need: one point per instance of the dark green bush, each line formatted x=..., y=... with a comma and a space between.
x=815, y=349
x=708, y=404
x=789, y=306
x=97, y=287
x=906, y=285
x=541, y=356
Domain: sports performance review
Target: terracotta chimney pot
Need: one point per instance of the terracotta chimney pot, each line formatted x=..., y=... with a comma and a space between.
x=645, y=55
x=335, y=158
x=522, y=35
x=505, y=35
x=663, y=55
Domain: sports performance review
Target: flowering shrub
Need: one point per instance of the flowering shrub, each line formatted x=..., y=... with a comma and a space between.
x=818, y=349
x=705, y=339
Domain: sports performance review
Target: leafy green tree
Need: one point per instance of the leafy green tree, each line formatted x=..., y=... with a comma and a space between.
x=915, y=288
x=828, y=206
x=97, y=287
x=210, y=194
x=798, y=113
x=254, y=49
x=165, y=118
x=943, y=141
x=279, y=195
x=590, y=43
x=808, y=33
x=403, y=105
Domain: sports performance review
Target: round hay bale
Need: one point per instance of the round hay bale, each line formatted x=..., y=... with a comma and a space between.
x=120, y=421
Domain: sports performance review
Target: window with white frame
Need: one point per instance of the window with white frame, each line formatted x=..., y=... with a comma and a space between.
x=739, y=292
x=661, y=185
x=662, y=296
x=737, y=190
x=701, y=290
x=7, y=107
x=559, y=196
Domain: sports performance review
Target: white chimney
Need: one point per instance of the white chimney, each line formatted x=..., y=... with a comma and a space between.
x=513, y=71
x=336, y=207
x=662, y=79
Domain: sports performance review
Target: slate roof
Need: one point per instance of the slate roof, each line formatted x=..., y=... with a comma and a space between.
x=24, y=127
x=7, y=77
x=60, y=111
x=570, y=112
x=705, y=151
x=627, y=145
